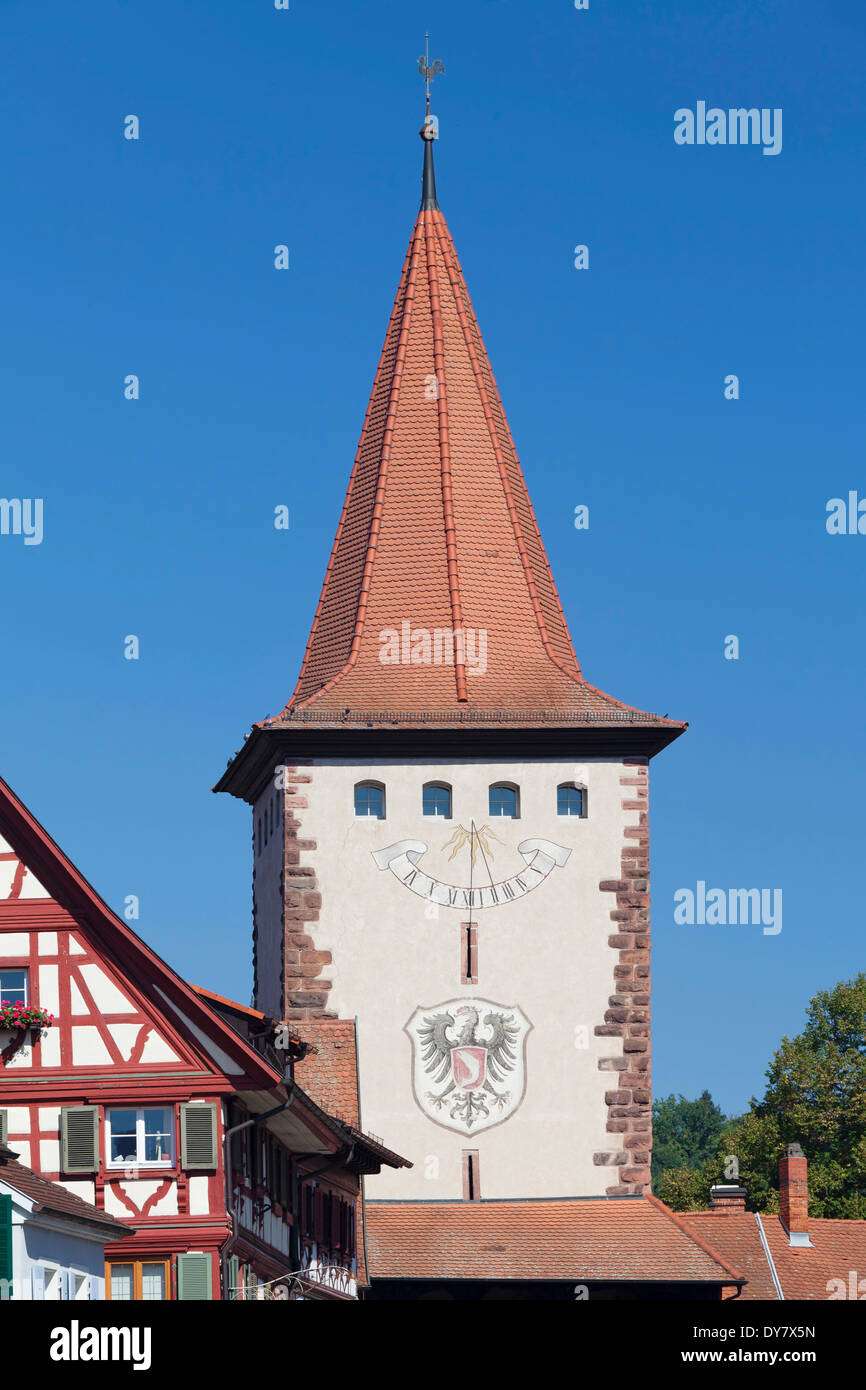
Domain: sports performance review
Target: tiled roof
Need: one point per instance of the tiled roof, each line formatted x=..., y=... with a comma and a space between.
x=50, y=1196
x=737, y=1237
x=438, y=532
x=803, y=1272
x=592, y=1239
x=329, y=1071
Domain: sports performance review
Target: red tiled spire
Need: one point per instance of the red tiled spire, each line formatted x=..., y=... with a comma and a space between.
x=437, y=530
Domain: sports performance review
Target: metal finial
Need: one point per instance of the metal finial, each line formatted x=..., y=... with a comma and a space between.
x=428, y=72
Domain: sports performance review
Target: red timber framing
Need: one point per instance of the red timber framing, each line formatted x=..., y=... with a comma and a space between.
x=139, y=1057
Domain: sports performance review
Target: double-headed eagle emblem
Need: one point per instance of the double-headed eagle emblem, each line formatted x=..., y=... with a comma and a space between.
x=469, y=1066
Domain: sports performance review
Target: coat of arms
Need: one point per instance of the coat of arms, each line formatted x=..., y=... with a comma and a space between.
x=469, y=1068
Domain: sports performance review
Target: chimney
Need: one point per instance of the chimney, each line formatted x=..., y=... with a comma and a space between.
x=727, y=1198
x=794, y=1195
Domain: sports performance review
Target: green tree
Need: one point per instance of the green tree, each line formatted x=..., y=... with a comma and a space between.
x=685, y=1132
x=815, y=1096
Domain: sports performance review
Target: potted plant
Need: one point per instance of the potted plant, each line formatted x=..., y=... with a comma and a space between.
x=18, y=1022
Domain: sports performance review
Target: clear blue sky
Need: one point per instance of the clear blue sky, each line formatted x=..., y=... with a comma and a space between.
x=707, y=516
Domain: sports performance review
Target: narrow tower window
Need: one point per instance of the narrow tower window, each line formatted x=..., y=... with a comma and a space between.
x=469, y=953
x=570, y=800
x=370, y=799
x=436, y=800
x=471, y=1176
x=504, y=800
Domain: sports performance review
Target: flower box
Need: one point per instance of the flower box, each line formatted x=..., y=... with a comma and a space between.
x=21, y=1022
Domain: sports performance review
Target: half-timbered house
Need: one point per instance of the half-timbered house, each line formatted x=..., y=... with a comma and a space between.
x=166, y=1108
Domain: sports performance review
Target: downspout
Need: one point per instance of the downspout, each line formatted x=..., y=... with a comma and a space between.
x=230, y=1208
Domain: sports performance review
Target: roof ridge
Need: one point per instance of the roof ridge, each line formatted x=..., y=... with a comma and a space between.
x=431, y=242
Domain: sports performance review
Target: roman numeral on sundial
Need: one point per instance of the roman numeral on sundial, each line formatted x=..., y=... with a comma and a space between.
x=469, y=953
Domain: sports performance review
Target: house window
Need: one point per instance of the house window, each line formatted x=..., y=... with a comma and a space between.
x=138, y=1280
x=570, y=800
x=13, y=986
x=436, y=800
x=504, y=800
x=139, y=1137
x=370, y=799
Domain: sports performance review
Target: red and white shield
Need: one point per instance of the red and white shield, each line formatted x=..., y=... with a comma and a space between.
x=468, y=1062
x=468, y=1066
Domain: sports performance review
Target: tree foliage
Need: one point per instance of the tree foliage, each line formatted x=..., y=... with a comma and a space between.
x=815, y=1096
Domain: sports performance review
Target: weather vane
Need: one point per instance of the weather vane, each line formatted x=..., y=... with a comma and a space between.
x=428, y=72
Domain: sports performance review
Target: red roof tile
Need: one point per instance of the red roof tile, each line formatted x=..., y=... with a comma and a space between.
x=438, y=532
x=803, y=1272
x=51, y=1196
x=592, y=1239
x=329, y=1071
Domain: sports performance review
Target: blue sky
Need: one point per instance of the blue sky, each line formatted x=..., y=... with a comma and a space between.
x=707, y=516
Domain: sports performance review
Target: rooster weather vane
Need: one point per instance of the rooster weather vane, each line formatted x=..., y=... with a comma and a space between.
x=428, y=71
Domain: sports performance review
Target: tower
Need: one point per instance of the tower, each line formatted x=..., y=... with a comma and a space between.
x=450, y=824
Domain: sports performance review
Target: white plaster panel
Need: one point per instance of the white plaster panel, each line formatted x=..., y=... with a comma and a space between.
x=30, y=888
x=156, y=1049
x=14, y=945
x=126, y=1036
x=199, y=1203
x=88, y=1049
x=49, y=1048
x=77, y=1003
x=49, y=993
x=23, y=1058
x=22, y=1148
x=75, y=946
x=49, y=1117
x=48, y=943
x=49, y=1155
x=18, y=1119
x=106, y=996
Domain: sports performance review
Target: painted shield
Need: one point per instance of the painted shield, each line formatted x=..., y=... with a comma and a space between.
x=469, y=1062
x=468, y=1065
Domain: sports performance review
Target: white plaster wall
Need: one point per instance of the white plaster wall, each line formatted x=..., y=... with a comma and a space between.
x=547, y=953
x=30, y=888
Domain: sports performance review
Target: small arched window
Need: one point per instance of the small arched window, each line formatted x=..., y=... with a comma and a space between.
x=436, y=800
x=370, y=800
x=570, y=799
x=505, y=800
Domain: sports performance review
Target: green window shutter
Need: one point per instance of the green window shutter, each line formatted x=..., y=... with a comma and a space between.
x=193, y=1276
x=234, y=1277
x=4, y=1126
x=198, y=1136
x=5, y=1246
x=79, y=1138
